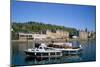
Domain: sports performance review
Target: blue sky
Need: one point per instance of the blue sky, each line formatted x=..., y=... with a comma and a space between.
x=68, y=15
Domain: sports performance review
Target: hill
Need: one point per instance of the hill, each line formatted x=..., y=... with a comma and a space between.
x=33, y=26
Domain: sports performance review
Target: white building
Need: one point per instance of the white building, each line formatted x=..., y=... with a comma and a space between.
x=39, y=36
x=25, y=36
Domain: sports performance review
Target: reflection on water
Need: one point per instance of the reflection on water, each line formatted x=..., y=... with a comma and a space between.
x=19, y=58
x=48, y=60
x=54, y=60
x=18, y=47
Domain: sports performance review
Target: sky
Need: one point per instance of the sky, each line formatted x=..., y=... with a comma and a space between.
x=68, y=15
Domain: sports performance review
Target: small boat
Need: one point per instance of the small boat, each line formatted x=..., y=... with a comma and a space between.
x=43, y=51
x=67, y=48
x=69, y=51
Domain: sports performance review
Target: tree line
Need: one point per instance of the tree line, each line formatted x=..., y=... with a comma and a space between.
x=33, y=26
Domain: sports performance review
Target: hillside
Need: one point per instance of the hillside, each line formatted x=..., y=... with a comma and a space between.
x=37, y=26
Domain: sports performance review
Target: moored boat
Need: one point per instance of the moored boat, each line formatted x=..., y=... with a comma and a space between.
x=67, y=48
x=43, y=51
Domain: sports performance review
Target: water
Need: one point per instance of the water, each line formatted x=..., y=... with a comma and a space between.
x=19, y=58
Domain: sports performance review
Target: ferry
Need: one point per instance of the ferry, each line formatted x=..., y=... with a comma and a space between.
x=56, y=50
x=43, y=51
x=67, y=48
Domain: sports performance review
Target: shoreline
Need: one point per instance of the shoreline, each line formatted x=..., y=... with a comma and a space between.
x=62, y=40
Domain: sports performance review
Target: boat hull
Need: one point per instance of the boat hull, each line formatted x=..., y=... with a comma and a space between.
x=42, y=54
x=77, y=52
x=65, y=52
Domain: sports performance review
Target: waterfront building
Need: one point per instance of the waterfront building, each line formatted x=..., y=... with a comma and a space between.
x=39, y=36
x=83, y=34
x=44, y=34
x=92, y=34
x=25, y=36
x=55, y=34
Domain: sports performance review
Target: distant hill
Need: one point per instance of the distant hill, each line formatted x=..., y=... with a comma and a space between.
x=33, y=26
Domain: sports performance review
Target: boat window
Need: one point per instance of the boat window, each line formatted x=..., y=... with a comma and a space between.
x=58, y=53
x=37, y=45
x=72, y=51
x=52, y=53
x=45, y=54
x=32, y=50
x=46, y=48
x=38, y=54
x=40, y=47
x=37, y=50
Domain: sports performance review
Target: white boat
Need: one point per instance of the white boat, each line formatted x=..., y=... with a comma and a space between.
x=67, y=51
x=43, y=51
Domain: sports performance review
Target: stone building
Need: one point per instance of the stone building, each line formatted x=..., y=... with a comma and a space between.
x=25, y=36
x=44, y=34
x=83, y=35
x=56, y=34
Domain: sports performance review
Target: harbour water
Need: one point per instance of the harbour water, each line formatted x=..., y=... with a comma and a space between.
x=18, y=57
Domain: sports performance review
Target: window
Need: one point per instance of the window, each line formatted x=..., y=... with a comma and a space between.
x=44, y=32
x=30, y=35
x=58, y=53
x=38, y=54
x=52, y=53
x=22, y=35
x=40, y=47
x=45, y=54
x=53, y=31
x=26, y=35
